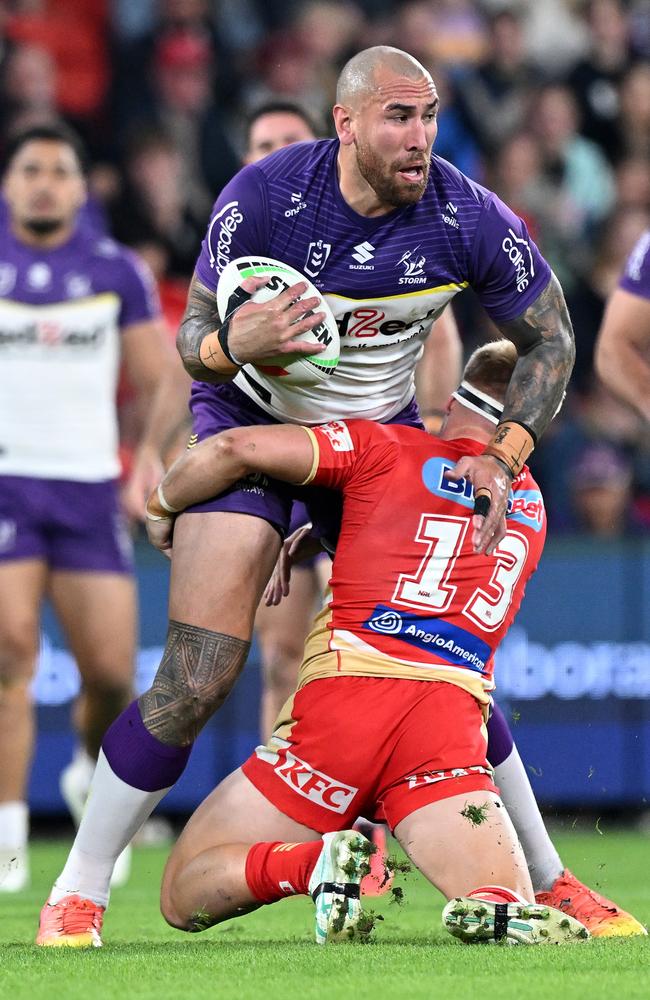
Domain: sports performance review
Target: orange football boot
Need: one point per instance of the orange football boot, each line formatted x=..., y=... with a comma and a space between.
x=73, y=922
x=600, y=915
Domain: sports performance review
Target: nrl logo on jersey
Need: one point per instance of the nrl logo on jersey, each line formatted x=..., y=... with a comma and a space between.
x=413, y=264
x=298, y=204
x=317, y=254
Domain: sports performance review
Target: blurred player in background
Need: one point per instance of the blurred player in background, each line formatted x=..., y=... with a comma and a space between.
x=390, y=233
x=394, y=689
x=72, y=303
x=623, y=347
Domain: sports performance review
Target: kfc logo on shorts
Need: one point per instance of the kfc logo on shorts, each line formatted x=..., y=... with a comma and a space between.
x=314, y=785
x=339, y=435
x=220, y=234
x=514, y=247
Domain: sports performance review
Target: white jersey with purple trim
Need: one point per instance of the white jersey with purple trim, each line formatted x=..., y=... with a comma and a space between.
x=61, y=312
x=385, y=278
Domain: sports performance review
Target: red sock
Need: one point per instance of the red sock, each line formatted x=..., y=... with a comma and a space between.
x=276, y=870
x=495, y=894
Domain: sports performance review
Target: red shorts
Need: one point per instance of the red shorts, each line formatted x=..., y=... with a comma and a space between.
x=375, y=747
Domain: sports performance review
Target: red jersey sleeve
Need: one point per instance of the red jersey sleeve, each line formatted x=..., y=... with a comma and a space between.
x=351, y=455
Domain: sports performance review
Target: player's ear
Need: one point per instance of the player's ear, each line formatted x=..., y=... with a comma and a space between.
x=343, y=122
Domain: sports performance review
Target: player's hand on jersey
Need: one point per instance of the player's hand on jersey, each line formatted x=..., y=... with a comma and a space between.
x=492, y=484
x=262, y=329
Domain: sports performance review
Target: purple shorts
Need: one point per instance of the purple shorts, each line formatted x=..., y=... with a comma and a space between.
x=68, y=525
x=216, y=408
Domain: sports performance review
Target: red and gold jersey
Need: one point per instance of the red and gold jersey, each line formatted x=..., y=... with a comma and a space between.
x=410, y=598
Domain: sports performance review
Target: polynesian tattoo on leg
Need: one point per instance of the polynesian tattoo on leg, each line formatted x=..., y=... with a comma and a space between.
x=196, y=674
x=543, y=336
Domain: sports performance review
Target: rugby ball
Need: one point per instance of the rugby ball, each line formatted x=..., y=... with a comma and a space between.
x=288, y=369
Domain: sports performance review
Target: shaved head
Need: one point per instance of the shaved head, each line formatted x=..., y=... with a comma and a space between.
x=358, y=77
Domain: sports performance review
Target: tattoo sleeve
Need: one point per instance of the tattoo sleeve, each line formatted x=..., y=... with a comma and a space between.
x=201, y=318
x=196, y=674
x=543, y=336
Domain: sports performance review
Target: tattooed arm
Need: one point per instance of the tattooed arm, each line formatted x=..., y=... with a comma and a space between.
x=543, y=336
x=256, y=330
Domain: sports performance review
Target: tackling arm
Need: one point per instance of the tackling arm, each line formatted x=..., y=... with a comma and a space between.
x=622, y=350
x=283, y=451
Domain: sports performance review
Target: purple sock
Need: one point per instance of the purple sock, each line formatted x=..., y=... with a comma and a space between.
x=138, y=758
x=500, y=741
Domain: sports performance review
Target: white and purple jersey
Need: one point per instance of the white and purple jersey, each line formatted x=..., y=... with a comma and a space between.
x=61, y=312
x=385, y=278
x=636, y=274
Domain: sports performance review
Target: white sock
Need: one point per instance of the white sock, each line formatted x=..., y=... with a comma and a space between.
x=543, y=861
x=114, y=812
x=14, y=825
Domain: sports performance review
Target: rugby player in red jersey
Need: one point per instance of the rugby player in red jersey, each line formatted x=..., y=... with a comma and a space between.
x=394, y=690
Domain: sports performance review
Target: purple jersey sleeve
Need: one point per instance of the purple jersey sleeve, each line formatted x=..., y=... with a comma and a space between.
x=636, y=274
x=507, y=270
x=239, y=225
x=138, y=291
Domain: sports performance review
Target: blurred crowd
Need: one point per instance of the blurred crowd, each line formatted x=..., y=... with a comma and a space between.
x=546, y=103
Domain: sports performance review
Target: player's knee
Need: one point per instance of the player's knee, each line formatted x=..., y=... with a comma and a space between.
x=18, y=653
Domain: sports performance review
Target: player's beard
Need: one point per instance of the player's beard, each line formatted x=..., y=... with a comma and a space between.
x=383, y=180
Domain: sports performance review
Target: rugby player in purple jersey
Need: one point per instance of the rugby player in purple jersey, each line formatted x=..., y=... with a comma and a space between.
x=389, y=233
x=72, y=303
x=623, y=346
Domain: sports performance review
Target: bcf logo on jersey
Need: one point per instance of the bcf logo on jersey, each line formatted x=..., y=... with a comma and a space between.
x=338, y=435
x=515, y=247
x=314, y=785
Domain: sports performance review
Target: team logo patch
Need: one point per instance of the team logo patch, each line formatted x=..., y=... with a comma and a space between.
x=413, y=264
x=305, y=780
x=338, y=435
x=446, y=640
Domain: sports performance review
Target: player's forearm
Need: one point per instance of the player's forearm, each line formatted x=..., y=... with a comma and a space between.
x=544, y=339
x=167, y=409
x=621, y=356
x=204, y=471
x=197, y=339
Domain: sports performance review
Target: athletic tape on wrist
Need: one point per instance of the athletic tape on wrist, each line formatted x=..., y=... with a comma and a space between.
x=512, y=443
x=222, y=337
x=163, y=503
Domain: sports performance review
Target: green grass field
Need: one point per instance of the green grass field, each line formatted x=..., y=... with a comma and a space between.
x=270, y=953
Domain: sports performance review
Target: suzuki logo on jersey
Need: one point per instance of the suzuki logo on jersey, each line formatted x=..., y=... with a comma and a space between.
x=515, y=248
x=298, y=204
x=317, y=254
x=363, y=253
x=220, y=234
x=314, y=785
x=338, y=435
x=413, y=264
